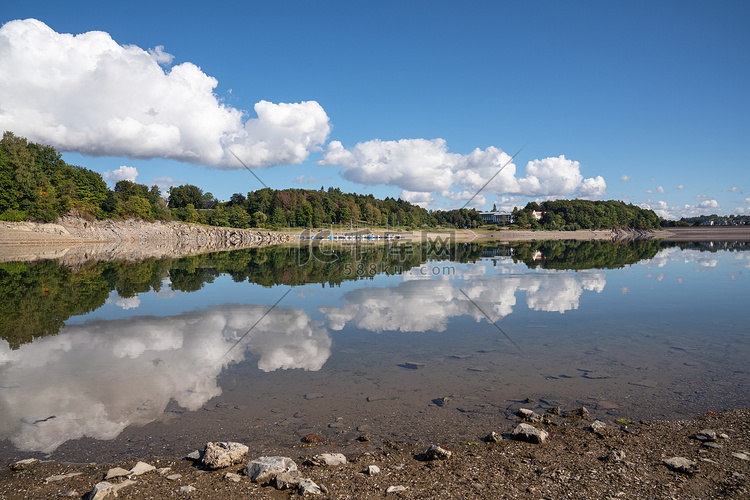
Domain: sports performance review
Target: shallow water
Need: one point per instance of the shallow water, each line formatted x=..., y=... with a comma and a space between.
x=265, y=346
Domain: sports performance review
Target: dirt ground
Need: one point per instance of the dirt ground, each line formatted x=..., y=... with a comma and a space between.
x=623, y=461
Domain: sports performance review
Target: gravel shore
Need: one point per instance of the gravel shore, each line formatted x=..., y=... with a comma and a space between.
x=579, y=459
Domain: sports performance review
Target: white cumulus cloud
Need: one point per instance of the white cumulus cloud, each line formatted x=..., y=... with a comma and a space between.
x=124, y=173
x=426, y=166
x=87, y=93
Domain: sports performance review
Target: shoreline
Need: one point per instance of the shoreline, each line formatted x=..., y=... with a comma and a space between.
x=623, y=459
x=79, y=240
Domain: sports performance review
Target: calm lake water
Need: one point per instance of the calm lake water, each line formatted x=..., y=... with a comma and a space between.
x=434, y=342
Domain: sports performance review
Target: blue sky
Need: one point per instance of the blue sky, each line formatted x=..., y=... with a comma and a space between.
x=645, y=102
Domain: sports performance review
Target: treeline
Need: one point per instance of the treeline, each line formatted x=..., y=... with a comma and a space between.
x=572, y=215
x=36, y=184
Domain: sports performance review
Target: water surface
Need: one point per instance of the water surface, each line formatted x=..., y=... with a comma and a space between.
x=431, y=342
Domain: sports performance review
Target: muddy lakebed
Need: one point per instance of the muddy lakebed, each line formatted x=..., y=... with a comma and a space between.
x=415, y=343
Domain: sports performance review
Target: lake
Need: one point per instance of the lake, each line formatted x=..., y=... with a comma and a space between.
x=432, y=341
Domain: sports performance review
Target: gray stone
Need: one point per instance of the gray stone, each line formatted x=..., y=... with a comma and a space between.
x=231, y=476
x=598, y=426
x=287, y=480
x=263, y=469
x=106, y=489
x=196, y=455
x=711, y=444
x=435, y=452
x=706, y=435
x=174, y=477
x=615, y=456
x=581, y=412
x=116, y=472
x=308, y=487
x=679, y=464
x=529, y=415
x=395, y=489
x=742, y=455
x=529, y=433
x=493, y=437
x=22, y=464
x=141, y=468
x=220, y=455
x=187, y=489
x=329, y=459
x=60, y=477
x=724, y=436
x=373, y=470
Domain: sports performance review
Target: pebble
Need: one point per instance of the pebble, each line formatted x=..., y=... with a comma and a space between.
x=116, y=472
x=314, y=439
x=615, y=456
x=435, y=452
x=220, y=455
x=264, y=469
x=493, y=437
x=679, y=464
x=373, y=470
x=231, y=476
x=529, y=433
x=706, y=435
x=106, y=489
x=395, y=489
x=742, y=455
x=287, y=480
x=581, y=412
x=598, y=426
x=141, y=468
x=187, y=489
x=60, y=477
x=22, y=464
x=329, y=459
x=308, y=487
x=529, y=415
x=174, y=477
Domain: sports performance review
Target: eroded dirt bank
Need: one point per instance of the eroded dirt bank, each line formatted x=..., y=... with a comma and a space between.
x=77, y=240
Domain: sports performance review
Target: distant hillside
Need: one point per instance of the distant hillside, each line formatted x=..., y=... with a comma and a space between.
x=572, y=215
